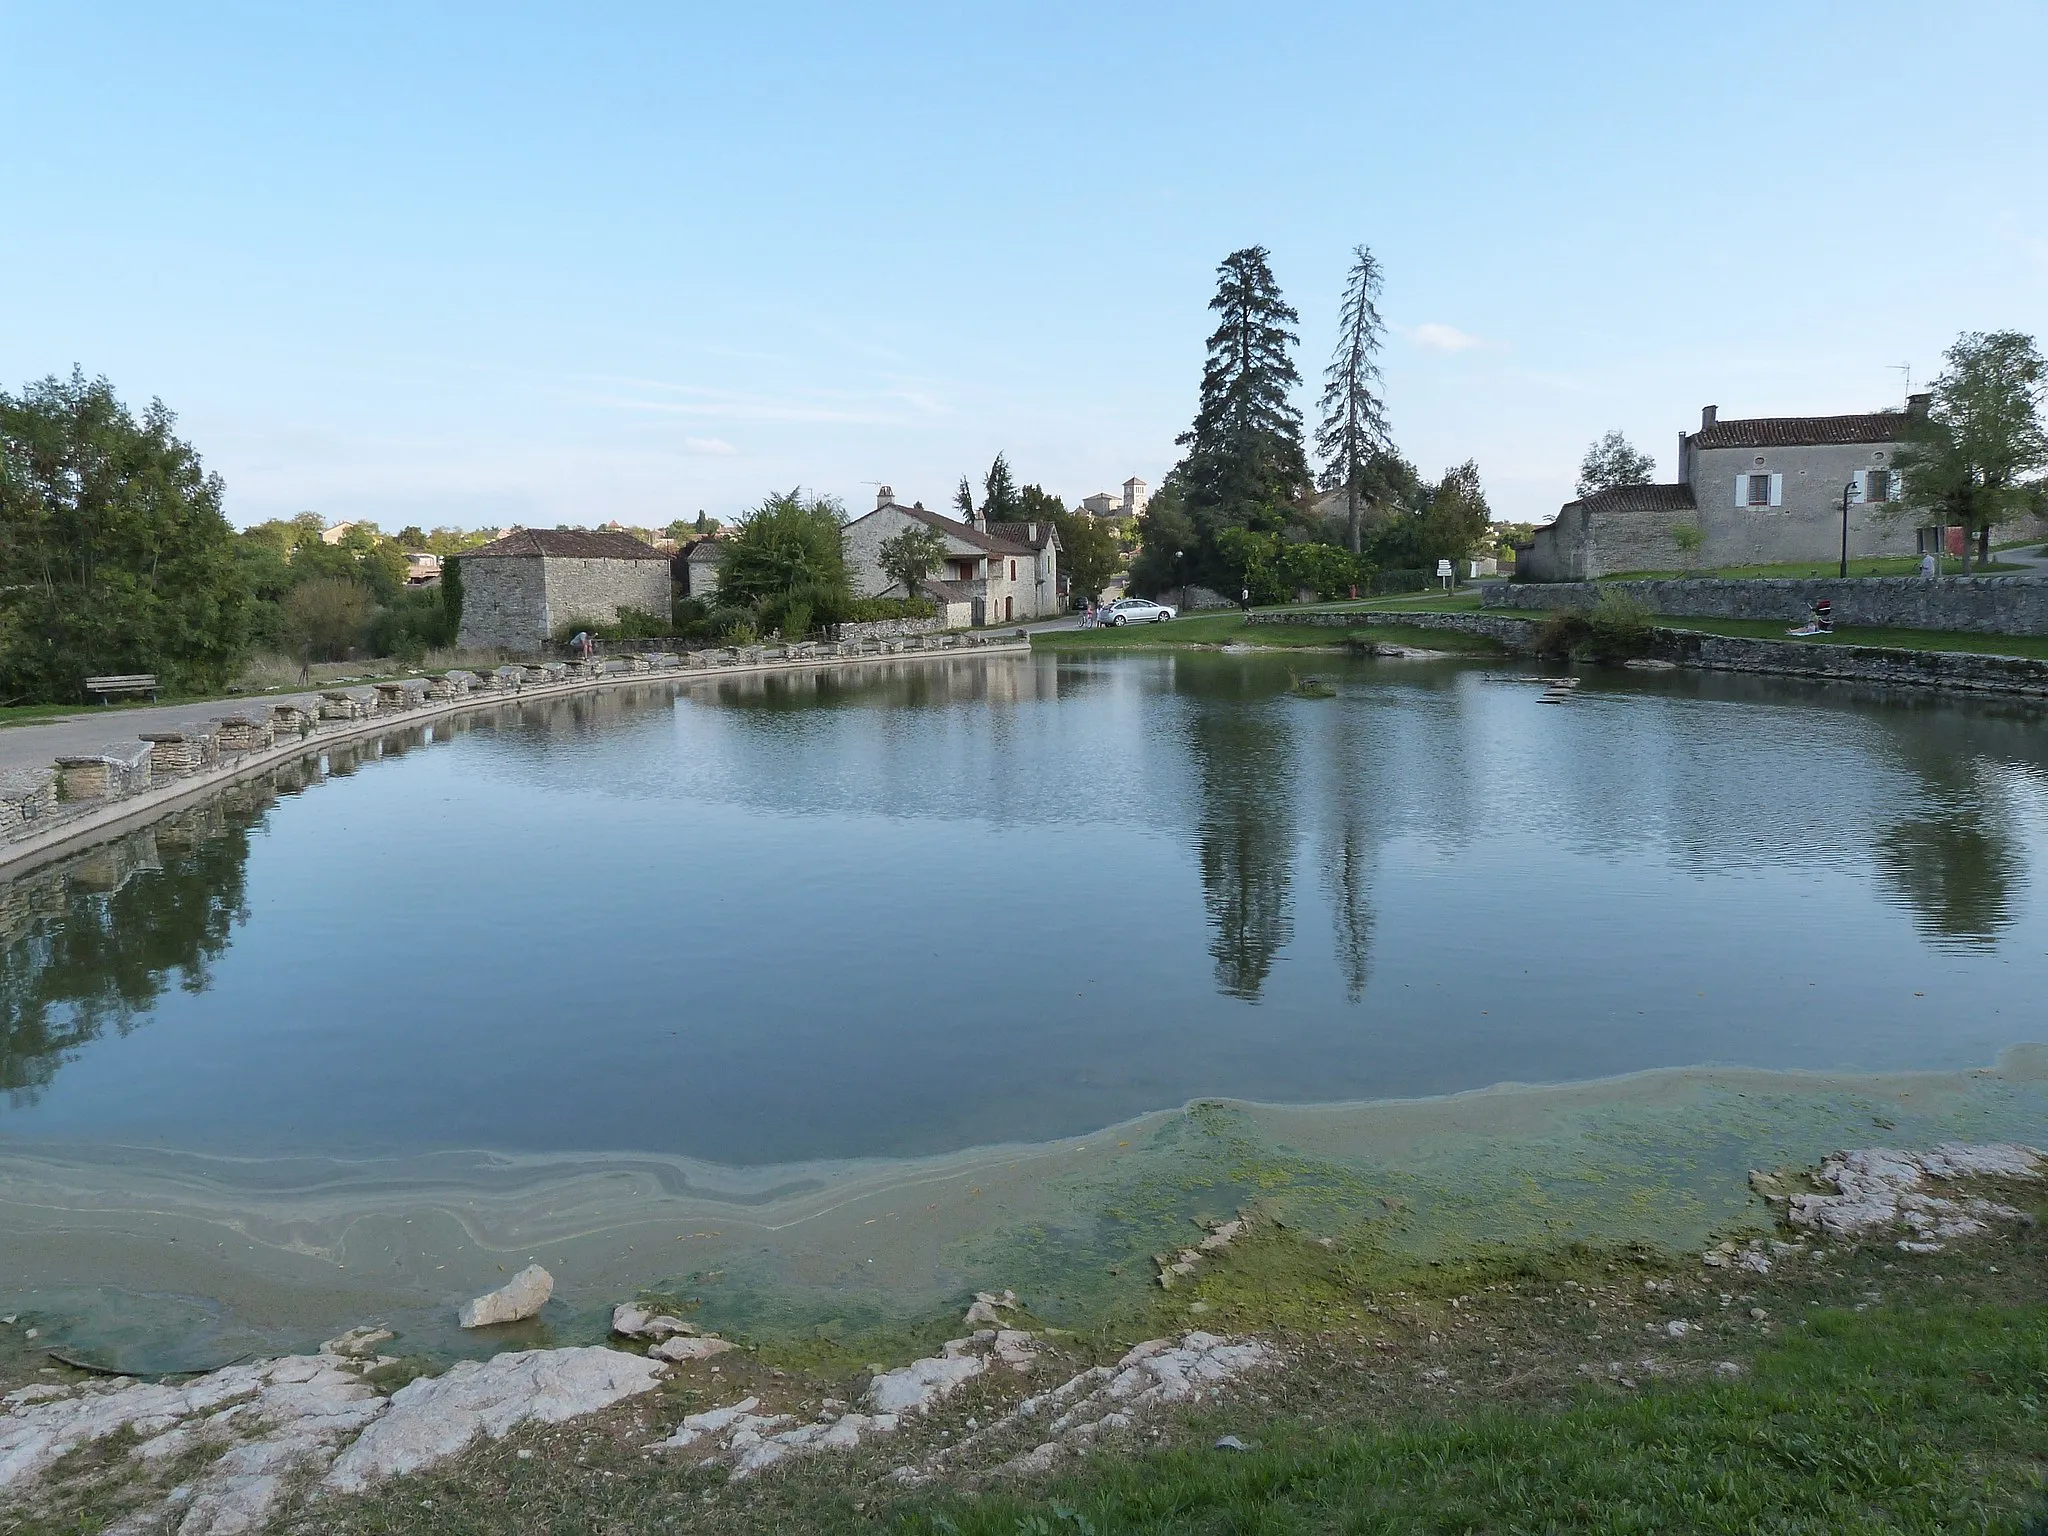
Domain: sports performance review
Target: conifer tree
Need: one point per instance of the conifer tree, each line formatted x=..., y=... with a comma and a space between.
x=1245, y=465
x=1000, y=502
x=1354, y=424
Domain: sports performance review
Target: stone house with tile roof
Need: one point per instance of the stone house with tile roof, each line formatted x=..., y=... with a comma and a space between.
x=994, y=573
x=519, y=591
x=1761, y=491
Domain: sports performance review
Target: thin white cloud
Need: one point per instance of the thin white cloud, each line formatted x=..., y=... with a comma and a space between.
x=1444, y=338
x=753, y=410
x=710, y=447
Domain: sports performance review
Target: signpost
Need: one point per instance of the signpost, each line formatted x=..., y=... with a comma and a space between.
x=1445, y=573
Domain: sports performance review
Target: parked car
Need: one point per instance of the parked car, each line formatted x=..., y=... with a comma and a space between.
x=1135, y=610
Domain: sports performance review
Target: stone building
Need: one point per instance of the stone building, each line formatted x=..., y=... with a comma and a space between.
x=995, y=573
x=520, y=591
x=696, y=568
x=1763, y=491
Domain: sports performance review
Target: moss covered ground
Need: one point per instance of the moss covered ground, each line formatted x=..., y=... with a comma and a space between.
x=1853, y=1390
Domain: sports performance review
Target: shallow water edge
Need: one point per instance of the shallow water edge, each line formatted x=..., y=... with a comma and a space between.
x=151, y=1260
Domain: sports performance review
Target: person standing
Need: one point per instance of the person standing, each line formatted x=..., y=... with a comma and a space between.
x=1927, y=567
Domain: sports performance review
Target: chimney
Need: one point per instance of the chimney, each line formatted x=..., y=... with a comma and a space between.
x=884, y=495
x=1916, y=406
x=1031, y=535
x=1709, y=414
x=980, y=520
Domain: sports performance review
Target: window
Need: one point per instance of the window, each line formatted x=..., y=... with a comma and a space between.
x=1013, y=570
x=1759, y=490
x=1877, y=485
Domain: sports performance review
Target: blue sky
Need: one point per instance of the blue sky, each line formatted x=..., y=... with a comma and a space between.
x=480, y=264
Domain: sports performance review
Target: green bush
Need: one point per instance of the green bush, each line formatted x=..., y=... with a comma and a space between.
x=1618, y=629
x=875, y=610
x=1400, y=581
x=1562, y=632
x=788, y=616
x=731, y=624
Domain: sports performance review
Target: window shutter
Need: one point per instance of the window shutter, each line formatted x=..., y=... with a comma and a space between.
x=1777, y=490
x=1742, y=490
x=1858, y=496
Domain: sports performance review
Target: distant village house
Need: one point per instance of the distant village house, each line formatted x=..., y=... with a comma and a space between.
x=1763, y=491
x=994, y=573
x=520, y=591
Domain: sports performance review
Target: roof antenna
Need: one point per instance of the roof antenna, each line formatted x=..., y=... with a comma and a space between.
x=1907, y=370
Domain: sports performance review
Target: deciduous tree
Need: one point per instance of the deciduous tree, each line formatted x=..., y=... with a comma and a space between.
x=911, y=556
x=114, y=553
x=1975, y=459
x=790, y=548
x=1612, y=462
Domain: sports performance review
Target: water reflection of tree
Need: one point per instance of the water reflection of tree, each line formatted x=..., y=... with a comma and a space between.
x=91, y=944
x=1242, y=757
x=1957, y=871
x=1952, y=857
x=1352, y=784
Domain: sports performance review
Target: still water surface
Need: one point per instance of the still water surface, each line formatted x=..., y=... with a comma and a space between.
x=978, y=901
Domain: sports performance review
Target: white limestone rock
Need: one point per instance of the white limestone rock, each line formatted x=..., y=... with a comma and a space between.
x=518, y=1298
x=913, y=1388
x=1878, y=1187
x=434, y=1418
x=681, y=1348
x=988, y=1307
x=711, y=1422
x=636, y=1322
x=357, y=1343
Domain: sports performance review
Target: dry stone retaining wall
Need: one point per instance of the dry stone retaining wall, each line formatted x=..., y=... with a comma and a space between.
x=45, y=809
x=1983, y=605
x=1956, y=671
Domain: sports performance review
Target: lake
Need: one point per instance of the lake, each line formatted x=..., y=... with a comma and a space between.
x=867, y=914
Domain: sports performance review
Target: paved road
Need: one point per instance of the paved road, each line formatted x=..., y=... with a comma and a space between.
x=42, y=742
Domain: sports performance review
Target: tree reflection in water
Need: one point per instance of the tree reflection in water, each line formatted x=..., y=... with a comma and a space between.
x=1238, y=735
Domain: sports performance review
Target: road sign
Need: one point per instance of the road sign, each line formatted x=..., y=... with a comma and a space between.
x=1443, y=567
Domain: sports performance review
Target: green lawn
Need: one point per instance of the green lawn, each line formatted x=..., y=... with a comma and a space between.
x=1925, y=1421
x=2034, y=646
x=1229, y=628
x=1890, y=565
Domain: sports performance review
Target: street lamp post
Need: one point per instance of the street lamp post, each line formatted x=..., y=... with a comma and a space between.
x=1180, y=574
x=1848, y=491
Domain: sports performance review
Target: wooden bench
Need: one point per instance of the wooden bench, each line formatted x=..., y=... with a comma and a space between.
x=139, y=682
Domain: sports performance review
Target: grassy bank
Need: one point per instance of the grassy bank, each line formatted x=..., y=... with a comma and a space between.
x=1811, y=570
x=1852, y=1390
x=1217, y=629
x=2032, y=646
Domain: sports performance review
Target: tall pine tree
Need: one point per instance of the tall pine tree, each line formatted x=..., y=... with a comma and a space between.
x=1245, y=467
x=1354, y=425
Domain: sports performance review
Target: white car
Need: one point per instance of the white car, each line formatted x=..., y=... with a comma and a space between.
x=1134, y=610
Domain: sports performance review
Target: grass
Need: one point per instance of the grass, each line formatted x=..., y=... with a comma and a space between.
x=1928, y=1422
x=1806, y=570
x=2032, y=646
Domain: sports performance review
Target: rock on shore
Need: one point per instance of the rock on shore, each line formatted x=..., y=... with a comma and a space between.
x=518, y=1298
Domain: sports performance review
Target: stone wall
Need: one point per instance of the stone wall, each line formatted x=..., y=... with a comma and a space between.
x=83, y=791
x=518, y=602
x=1954, y=671
x=1984, y=606
x=586, y=592
x=885, y=629
x=504, y=604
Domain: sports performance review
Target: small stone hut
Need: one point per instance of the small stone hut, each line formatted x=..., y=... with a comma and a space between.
x=519, y=591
